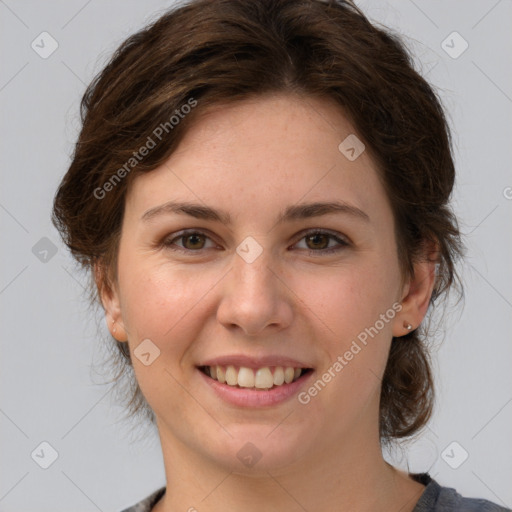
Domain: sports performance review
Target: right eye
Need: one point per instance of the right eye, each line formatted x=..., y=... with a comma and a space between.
x=192, y=241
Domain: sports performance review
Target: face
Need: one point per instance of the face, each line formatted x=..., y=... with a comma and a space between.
x=223, y=261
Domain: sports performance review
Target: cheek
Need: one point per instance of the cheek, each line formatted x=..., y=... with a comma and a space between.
x=347, y=299
x=353, y=312
x=169, y=307
x=352, y=308
x=158, y=300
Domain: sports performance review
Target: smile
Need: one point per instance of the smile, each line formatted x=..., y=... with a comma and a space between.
x=249, y=383
x=264, y=378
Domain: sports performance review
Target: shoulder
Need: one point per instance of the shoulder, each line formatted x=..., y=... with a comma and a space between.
x=147, y=503
x=436, y=498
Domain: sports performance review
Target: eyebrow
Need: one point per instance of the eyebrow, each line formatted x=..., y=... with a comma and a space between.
x=294, y=212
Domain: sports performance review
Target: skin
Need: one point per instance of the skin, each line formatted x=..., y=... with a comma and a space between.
x=253, y=159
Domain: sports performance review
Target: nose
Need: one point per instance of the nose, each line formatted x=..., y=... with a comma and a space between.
x=255, y=298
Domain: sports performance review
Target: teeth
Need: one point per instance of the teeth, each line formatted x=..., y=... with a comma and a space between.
x=279, y=376
x=262, y=378
x=231, y=376
x=288, y=374
x=245, y=378
x=221, y=374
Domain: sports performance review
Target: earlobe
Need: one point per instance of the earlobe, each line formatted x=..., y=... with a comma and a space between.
x=407, y=326
x=110, y=300
x=416, y=299
x=117, y=330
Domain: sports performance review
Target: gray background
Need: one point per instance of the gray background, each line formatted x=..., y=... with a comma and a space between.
x=49, y=389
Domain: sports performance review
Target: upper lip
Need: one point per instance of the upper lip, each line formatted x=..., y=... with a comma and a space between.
x=255, y=362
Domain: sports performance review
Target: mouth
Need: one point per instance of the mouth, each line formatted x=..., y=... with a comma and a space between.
x=265, y=378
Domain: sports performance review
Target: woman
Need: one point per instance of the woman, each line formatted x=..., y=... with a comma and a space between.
x=261, y=192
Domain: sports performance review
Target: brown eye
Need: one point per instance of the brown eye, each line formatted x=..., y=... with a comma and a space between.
x=318, y=240
x=193, y=241
x=318, y=243
x=188, y=242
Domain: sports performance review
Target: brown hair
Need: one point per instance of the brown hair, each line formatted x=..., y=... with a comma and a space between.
x=209, y=52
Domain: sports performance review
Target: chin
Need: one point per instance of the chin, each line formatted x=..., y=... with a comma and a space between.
x=256, y=450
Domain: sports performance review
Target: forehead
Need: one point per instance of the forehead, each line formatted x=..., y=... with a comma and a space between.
x=259, y=153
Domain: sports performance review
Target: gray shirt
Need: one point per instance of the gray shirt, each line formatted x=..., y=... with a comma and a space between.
x=434, y=499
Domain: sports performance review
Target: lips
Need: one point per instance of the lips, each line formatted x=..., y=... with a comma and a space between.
x=254, y=373
x=249, y=398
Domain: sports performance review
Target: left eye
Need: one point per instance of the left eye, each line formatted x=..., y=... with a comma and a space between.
x=316, y=242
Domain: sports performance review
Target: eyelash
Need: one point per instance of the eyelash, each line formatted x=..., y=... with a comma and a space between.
x=169, y=242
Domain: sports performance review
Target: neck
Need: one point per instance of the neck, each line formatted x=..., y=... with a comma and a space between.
x=352, y=476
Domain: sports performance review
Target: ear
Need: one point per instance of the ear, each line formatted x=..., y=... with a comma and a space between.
x=417, y=293
x=110, y=299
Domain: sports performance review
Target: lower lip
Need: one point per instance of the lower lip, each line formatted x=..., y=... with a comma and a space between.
x=246, y=397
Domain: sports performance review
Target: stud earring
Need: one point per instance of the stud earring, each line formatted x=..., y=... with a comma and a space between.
x=407, y=326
